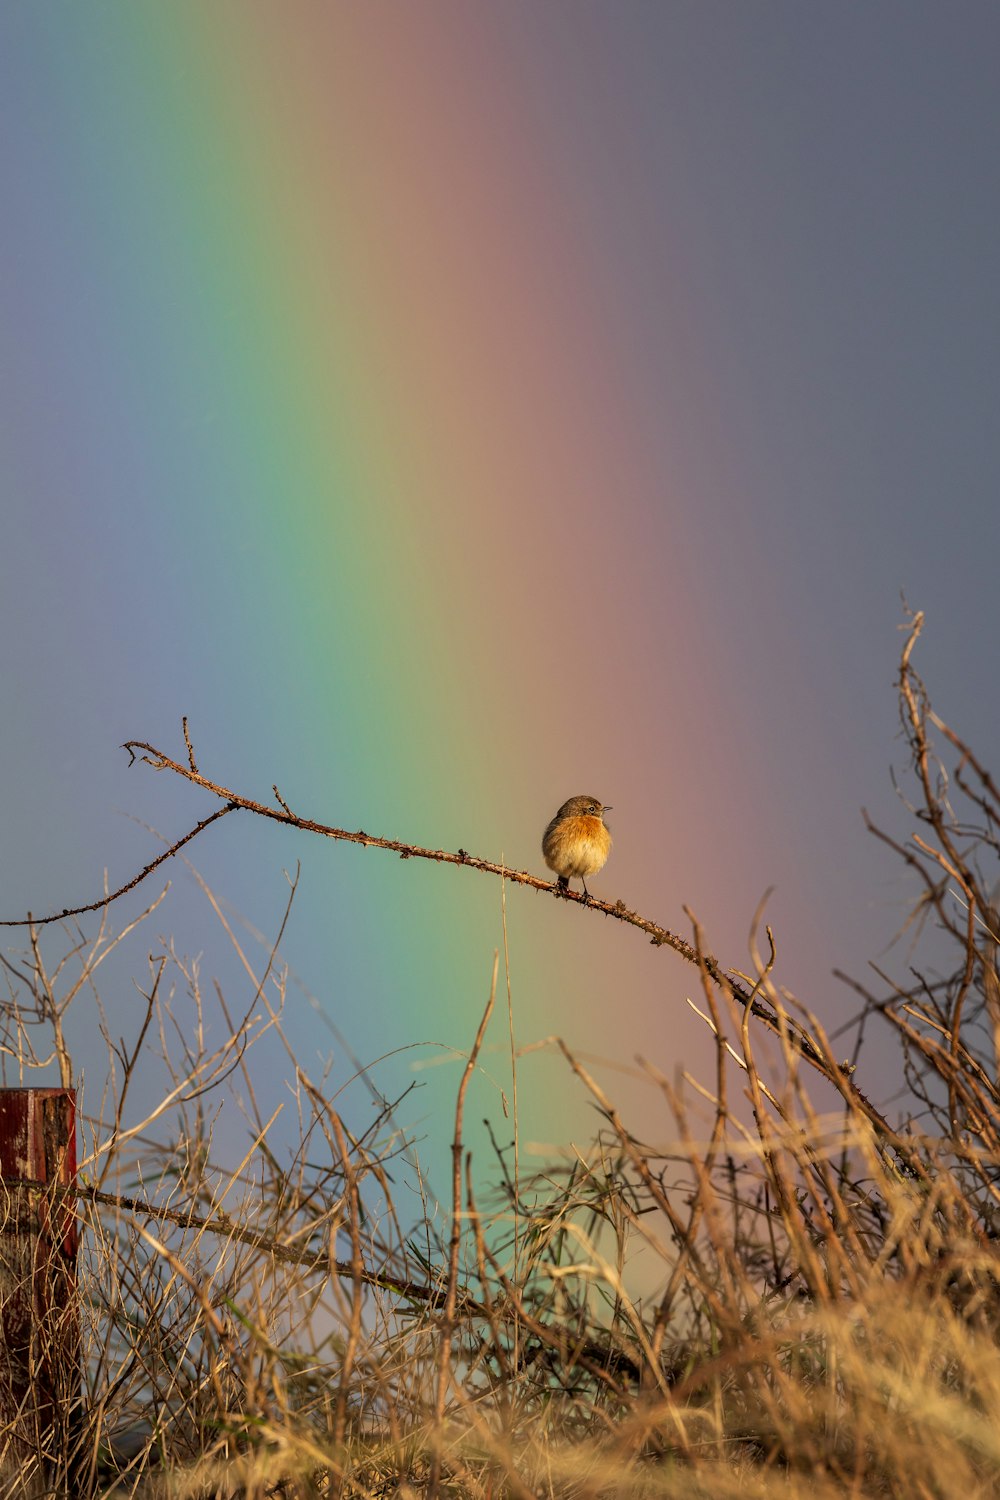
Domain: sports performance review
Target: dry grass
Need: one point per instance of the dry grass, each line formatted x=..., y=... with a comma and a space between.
x=814, y=1311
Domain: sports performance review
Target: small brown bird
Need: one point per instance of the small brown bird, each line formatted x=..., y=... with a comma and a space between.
x=578, y=841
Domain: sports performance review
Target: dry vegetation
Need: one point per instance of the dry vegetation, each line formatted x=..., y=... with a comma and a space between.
x=822, y=1320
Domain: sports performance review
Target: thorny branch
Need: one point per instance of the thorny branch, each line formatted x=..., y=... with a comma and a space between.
x=806, y=1046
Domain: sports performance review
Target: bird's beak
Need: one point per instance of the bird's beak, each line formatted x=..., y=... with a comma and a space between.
x=607, y=808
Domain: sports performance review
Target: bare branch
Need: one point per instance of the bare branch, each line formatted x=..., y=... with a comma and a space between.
x=105, y=901
x=659, y=936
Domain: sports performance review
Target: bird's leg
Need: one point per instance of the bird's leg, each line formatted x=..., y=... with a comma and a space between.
x=562, y=884
x=584, y=884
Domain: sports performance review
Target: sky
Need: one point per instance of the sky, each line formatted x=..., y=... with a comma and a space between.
x=452, y=409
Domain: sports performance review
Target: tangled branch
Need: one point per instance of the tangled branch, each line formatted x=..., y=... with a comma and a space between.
x=812, y=1049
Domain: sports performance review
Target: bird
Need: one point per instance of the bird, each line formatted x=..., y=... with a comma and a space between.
x=577, y=841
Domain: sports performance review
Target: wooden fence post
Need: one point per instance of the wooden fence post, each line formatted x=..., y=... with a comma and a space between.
x=40, y=1372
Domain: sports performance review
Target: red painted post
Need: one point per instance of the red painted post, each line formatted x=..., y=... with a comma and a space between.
x=40, y=1373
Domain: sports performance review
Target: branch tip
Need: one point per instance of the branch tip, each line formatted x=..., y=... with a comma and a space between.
x=190, y=747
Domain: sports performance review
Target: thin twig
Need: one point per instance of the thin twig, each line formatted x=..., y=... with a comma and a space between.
x=130, y=885
x=451, y=1289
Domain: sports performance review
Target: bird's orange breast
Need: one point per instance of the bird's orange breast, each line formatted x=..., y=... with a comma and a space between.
x=576, y=846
